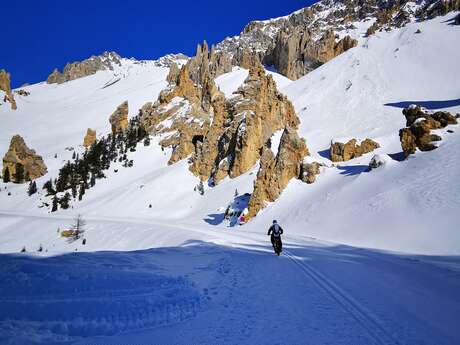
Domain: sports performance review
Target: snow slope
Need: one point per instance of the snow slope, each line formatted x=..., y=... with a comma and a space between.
x=359, y=94
x=177, y=272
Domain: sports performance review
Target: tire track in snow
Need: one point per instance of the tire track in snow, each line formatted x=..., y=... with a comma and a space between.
x=367, y=320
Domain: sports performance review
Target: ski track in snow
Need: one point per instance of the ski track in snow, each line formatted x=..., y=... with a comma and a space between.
x=364, y=317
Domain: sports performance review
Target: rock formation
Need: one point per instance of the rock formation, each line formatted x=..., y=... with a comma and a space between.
x=226, y=137
x=419, y=124
x=182, y=114
x=275, y=172
x=235, y=141
x=457, y=19
x=308, y=171
x=300, y=42
x=22, y=163
x=173, y=74
x=5, y=86
x=90, y=138
x=295, y=52
x=341, y=152
x=84, y=68
x=208, y=62
x=119, y=118
x=434, y=8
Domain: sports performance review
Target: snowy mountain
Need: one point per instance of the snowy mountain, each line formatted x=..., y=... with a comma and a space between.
x=186, y=146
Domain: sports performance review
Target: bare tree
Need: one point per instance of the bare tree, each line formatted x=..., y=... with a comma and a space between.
x=78, y=227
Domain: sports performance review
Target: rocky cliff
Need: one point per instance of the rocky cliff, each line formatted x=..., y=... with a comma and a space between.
x=302, y=41
x=84, y=68
x=275, y=172
x=5, y=86
x=226, y=137
x=22, y=164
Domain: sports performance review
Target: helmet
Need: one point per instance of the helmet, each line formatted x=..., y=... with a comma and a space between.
x=274, y=221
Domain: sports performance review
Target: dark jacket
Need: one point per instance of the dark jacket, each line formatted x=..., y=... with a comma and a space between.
x=272, y=230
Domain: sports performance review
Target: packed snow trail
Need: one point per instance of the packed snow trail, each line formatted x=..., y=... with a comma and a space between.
x=203, y=292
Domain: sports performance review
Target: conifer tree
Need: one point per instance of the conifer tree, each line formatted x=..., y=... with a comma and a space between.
x=55, y=204
x=19, y=175
x=74, y=189
x=6, y=175
x=82, y=191
x=92, y=180
x=32, y=188
x=49, y=187
x=64, y=201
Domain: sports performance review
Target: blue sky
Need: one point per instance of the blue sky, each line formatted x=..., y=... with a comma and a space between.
x=41, y=35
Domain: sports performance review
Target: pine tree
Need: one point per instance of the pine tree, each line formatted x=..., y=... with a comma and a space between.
x=55, y=204
x=64, y=201
x=49, y=187
x=23, y=250
x=92, y=180
x=32, y=188
x=19, y=175
x=74, y=155
x=74, y=189
x=82, y=191
x=236, y=192
x=6, y=175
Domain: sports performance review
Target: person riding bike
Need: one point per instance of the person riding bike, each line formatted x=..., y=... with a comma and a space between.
x=275, y=231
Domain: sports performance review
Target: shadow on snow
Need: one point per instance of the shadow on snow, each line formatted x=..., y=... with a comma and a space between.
x=431, y=105
x=74, y=296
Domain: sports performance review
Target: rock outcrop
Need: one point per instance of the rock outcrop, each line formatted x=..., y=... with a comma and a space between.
x=119, y=118
x=457, y=20
x=433, y=8
x=208, y=62
x=84, y=68
x=173, y=74
x=309, y=171
x=235, y=141
x=183, y=112
x=341, y=152
x=222, y=137
x=90, y=138
x=5, y=86
x=419, y=124
x=295, y=52
x=226, y=137
x=298, y=43
x=22, y=163
x=275, y=172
